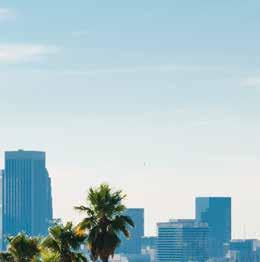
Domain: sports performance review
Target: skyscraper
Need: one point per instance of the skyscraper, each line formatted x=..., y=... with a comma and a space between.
x=27, y=200
x=134, y=244
x=182, y=240
x=216, y=212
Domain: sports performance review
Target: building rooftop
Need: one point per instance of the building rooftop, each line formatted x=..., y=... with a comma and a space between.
x=22, y=154
x=182, y=223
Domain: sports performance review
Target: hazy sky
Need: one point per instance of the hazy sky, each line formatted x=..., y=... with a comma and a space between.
x=159, y=98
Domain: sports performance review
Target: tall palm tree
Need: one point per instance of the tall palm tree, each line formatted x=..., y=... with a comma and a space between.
x=64, y=242
x=104, y=222
x=21, y=248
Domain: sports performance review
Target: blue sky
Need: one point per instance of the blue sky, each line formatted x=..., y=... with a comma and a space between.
x=160, y=98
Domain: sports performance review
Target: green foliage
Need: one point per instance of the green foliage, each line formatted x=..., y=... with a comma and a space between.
x=49, y=256
x=21, y=248
x=63, y=243
x=6, y=257
x=104, y=221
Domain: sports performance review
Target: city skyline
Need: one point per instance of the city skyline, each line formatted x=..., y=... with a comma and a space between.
x=192, y=215
x=27, y=207
x=143, y=95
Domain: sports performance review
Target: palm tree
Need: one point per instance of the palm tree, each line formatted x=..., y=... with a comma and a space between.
x=104, y=222
x=6, y=257
x=64, y=242
x=21, y=248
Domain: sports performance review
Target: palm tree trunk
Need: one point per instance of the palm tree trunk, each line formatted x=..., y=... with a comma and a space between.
x=65, y=258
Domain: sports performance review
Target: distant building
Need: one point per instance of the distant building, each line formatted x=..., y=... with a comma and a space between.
x=134, y=244
x=149, y=242
x=244, y=250
x=130, y=258
x=56, y=221
x=182, y=240
x=118, y=258
x=149, y=247
x=138, y=258
x=216, y=212
x=27, y=198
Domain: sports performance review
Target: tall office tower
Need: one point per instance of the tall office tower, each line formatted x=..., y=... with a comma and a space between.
x=134, y=244
x=182, y=240
x=216, y=212
x=27, y=194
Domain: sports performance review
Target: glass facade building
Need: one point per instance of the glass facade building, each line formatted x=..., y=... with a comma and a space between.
x=134, y=244
x=216, y=212
x=244, y=250
x=182, y=240
x=27, y=199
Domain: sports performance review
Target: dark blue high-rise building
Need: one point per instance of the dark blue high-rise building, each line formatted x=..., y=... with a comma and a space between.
x=27, y=199
x=216, y=212
x=134, y=244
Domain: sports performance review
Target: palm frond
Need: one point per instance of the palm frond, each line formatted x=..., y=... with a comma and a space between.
x=104, y=221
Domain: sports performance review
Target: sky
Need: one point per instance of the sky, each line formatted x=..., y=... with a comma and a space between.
x=158, y=98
